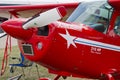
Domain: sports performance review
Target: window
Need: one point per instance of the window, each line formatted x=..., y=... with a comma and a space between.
x=43, y=31
x=97, y=15
x=117, y=26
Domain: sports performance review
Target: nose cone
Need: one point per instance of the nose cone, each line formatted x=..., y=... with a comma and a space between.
x=14, y=29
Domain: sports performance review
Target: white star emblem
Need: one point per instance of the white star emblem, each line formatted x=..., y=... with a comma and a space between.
x=69, y=38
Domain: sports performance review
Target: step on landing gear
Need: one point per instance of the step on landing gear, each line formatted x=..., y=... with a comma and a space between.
x=56, y=78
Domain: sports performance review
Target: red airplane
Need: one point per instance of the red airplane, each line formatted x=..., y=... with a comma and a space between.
x=85, y=45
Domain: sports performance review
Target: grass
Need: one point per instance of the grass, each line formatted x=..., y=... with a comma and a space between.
x=30, y=73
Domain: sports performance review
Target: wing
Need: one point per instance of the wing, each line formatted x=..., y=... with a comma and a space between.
x=26, y=11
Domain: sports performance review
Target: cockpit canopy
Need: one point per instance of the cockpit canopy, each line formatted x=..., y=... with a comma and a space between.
x=94, y=14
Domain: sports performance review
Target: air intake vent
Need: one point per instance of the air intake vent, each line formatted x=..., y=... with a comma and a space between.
x=27, y=48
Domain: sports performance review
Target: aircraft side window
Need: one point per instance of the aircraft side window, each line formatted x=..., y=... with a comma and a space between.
x=117, y=26
x=97, y=16
x=2, y=19
x=43, y=31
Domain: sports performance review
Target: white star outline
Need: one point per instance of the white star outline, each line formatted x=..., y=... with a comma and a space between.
x=69, y=39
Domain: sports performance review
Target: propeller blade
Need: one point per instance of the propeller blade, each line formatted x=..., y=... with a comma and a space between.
x=45, y=18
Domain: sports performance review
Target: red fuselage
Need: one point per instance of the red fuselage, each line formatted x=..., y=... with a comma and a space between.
x=80, y=51
x=67, y=48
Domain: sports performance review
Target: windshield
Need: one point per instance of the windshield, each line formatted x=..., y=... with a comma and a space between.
x=92, y=13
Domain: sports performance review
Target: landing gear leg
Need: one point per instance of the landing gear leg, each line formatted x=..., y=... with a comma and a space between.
x=57, y=77
x=110, y=77
x=107, y=76
x=111, y=74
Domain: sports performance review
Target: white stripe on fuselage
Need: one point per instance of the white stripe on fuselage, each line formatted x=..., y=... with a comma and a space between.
x=70, y=39
x=97, y=44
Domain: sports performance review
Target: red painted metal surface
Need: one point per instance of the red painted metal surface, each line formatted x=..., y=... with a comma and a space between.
x=45, y=6
x=77, y=59
x=114, y=3
x=72, y=49
x=15, y=26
